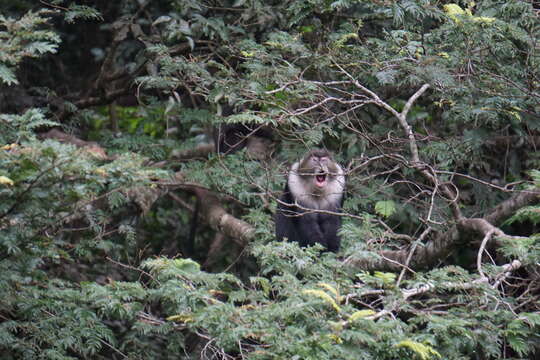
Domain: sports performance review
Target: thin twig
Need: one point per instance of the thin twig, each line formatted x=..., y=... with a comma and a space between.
x=411, y=252
x=132, y=268
x=481, y=251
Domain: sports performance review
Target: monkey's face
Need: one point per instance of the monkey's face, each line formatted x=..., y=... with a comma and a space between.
x=317, y=181
x=318, y=169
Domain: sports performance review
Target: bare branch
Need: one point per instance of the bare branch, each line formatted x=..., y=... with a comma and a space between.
x=376, y=99
x=412, y=99
x=90, y=146
x=281, y=88
x=201, y=151
x=430, y=253
x=402, y=118
x=507, y=268
x=220, y=220
x=411, y=252
x=481, y=251
x=510, y=206
x=443, y=243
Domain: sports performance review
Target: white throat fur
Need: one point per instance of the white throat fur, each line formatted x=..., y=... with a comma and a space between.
x=301, y=191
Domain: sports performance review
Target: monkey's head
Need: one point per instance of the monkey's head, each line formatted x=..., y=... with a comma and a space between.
x=319, y=172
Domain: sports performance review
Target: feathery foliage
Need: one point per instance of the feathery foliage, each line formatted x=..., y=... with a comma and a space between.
x=122, y=236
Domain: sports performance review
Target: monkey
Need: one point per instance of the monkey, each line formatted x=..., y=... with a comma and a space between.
x=314, y=183
x=230, y=138
x=255, y=138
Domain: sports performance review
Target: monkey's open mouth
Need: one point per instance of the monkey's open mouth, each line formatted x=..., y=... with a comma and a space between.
x=320, y=179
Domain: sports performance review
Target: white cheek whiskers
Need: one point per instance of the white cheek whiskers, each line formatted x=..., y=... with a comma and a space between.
x=329, y=198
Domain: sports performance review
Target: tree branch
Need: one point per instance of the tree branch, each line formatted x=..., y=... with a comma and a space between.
x=506, y=269
x=443, y=244
x=220, y=220
x=402, y=118
x=510, y=206
x=199, y=152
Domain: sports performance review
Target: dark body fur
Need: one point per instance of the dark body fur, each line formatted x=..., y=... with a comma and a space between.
x=307, y=228
x=305, y=224
x=230, y=138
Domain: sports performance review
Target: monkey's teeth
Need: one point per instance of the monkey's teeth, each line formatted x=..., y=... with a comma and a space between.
x=320, y=180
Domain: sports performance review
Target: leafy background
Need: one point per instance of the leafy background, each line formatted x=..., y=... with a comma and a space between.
x=108, y=111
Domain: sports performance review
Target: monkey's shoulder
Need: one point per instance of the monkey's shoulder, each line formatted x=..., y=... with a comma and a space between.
x=306, y=201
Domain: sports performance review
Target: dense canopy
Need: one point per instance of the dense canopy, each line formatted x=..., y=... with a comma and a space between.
x=144, y=145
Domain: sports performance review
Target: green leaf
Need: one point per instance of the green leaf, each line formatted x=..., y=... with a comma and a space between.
x=186, y=265
x=387, y=278
x=7, y=75
x=424, y=352
x=385, y=208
